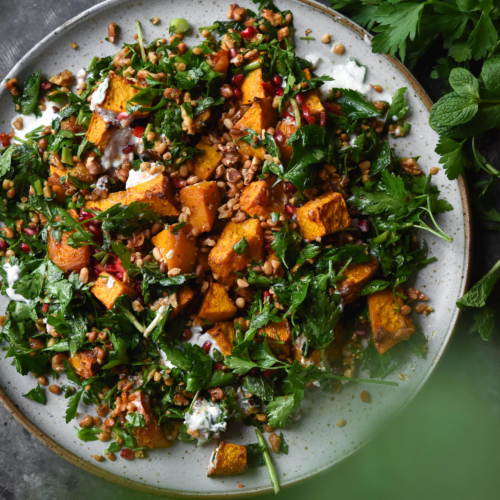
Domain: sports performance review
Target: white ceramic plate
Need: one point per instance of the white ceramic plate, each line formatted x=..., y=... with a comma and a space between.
x=315, y=441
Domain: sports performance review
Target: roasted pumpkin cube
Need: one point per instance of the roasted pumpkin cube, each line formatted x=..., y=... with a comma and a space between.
x=287, y=128
x=179, y=249
x=68, y=259
x=278, y=336
x=332, y=352
x=184, y=297
x=260, y=198
x=311, y=98
x=357, y=275
x=252, y=87
x=157, y=192
x=112, y=199
x=202, y=199
x=224, y=334
x=216, y=305
x=99, y=131
x=219, y=61
x=205, y=164
x=85, y=364
x=261, y=115
x=60, y=193
x=389, y=326
x=119, y=91
x=107, y=289
x=59, y=172
x=324, y=215
x=224, y=261
x=152, y=435
x=228, y=460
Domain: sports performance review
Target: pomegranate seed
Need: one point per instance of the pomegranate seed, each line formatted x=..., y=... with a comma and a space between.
x=46, y=85
x=119, y=276
x=45, y=307
x=280, y=138
x=266, y=294
x=218, y=367
x=277, y=80
x=237, y=93
x=138, y=131
x=363, y=225
x=233, y=53
x=279, y=92
x=94, y=229
x=322, y=118
x=4, y=139
x=140, y=299
x=127, y=454
x=128, y=149
x=267, y=247
x=300, y=99
x=31, y=232
x=237, y=80
x=3, y=245
x=310, y=119
x=248, y=32
x=362, y=328
x=290, y=187
x=206, y=346
x=24, y=247
x=122, y=116
x=267, y=373
x=289, y=209
x=178, y=183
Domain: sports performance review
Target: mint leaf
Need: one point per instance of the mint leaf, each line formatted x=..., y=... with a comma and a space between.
x=490, y=74
x=483, y=37
x=484, y=322
x=453, y=109
x=477, y=295
x=452, y=157
x=464, y=83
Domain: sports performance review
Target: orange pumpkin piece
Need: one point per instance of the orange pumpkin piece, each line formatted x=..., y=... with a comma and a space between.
x=228, y=460
x=261, y=199
x=278, y=336
x=216, y=306
x=311, y=98
x=389, y=326
x=184, y=297
x=157, y=192
x=357, y=275
x=261, y=115
x=119, y=91
x=68, y=259
x=224, y=334
x=85, y=364
x=107, y=289
x=178, y=250
x=202, y=199
x=152, y=435
x=99, y=131
x=206, y=163
x=224, y=261
x=324, y=215
x=219, y=61
x=252, y=88
x=287, y=128
x=120, y=197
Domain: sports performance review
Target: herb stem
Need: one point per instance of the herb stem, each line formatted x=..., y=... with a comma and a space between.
x=159, y=316
x=193, y=401
x=252, y=66
x=307, y=38
x=132, y=319
x=381, y=238
x=212, y=27
x=267, y=460
x=296, y=112
x=141, y=42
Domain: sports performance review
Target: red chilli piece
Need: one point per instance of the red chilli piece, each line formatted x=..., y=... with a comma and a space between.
x=45, y=307
x=310, y=119
x=4, y=139
x=237, y=80
x=127, y=454
x=248, y=33
x=206, y=346
x=46, y=85
x=268, y=88
x=138, y=131
x=24, y=247
x=128, y=149
x=334, y=108
x=290, y=187
x=277, y=80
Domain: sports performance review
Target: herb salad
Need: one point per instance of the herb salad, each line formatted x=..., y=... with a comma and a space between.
x=199, y=235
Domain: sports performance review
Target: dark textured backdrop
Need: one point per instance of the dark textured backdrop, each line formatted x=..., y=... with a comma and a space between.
x=444, y=445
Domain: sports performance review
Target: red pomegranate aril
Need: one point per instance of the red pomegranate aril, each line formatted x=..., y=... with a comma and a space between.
x=300, y=99
x=363, y=225
x=279, y=92
x=233, y=53
x=268, y=88
x=218, y=367
x=128, y=149
x=3, y=245
x=266, y=294
x=290, y=187
x=289, y=209
x=237, y=93
x=4, y=139
x=280, y=138
x=24, y=247
x=267, y=373
x=178, y=183
x=277, y=80
x=267, y=247
x=31, y=232
x=138, y=131
x=45, y=307
x=307, y=115
x=127, y=454
x=46, y=85
x=94, y=229
x=322, y=118
x=119, y=276
x=237, y=80
x=122, y=116
x=206, y=346
x=248, y=32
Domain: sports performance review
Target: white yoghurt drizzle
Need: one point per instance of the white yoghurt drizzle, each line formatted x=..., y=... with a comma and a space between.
x=206, y=418
x=13, y=273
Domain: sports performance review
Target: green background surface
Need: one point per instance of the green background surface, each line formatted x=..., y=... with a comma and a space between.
x=444, y=445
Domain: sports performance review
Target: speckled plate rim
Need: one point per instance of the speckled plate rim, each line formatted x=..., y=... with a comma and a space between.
x=17, y=413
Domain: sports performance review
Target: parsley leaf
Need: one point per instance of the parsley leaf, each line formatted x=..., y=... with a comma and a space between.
x=37, y=394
